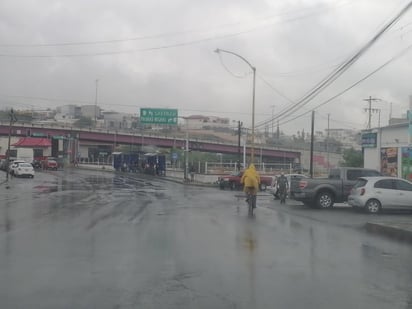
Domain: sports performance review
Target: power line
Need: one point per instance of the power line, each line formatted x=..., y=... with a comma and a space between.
x=328, y=80
x=101, y=103
x=404, y=51
x=319, y=9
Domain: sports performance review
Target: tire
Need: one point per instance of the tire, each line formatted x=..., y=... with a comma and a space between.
x=373, y=206
x=324, y=200
x=262, y=187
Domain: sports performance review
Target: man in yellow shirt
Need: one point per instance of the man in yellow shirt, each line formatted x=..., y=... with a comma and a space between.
x=251, y=181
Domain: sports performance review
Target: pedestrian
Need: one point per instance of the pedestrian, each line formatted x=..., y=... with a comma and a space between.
x=192, y=173
x=283, y=185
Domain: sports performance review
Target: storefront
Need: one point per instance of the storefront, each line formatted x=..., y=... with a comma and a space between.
x=389, y=149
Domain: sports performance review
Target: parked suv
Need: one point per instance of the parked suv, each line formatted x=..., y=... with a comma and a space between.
x=324, y=192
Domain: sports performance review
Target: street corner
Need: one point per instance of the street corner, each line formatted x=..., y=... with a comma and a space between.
x=401, y=231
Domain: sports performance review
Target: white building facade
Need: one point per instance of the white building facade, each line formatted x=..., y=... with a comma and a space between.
x=389, y=149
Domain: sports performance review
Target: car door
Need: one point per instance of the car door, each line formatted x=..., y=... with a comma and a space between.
x=384, y=191
x=403, y=193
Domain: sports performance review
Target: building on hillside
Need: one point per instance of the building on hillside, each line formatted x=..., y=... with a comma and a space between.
x=118, y=121
x=348, y=137
x=199, y=122
x=68, y=112
x=91, y=111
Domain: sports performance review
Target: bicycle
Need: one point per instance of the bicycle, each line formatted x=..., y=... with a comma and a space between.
x=251, y=201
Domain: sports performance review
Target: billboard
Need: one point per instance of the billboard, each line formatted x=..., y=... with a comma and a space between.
x=410, y=126
x=158, y=116
x=407, y=163
x=389, y=161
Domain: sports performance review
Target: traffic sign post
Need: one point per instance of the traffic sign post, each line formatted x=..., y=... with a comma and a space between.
x=158, y=116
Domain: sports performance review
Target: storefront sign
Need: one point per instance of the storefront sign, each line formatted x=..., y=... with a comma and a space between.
x=369, y=140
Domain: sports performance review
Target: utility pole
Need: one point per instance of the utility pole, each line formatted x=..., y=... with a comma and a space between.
x=273, y=115
x=12, y=119
x=278, y=132
x=327, y=143
x=312, y=139
x=239, y=133
x=95, y=105
x=370, y=110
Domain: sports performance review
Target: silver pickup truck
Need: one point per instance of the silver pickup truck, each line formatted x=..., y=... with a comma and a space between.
x=324, y=192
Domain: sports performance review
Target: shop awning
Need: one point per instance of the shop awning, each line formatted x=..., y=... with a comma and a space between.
x=32, y=142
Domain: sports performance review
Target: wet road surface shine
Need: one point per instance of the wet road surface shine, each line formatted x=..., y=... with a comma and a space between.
x=124, y=241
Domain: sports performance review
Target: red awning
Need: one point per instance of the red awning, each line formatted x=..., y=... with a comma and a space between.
x=32, y=142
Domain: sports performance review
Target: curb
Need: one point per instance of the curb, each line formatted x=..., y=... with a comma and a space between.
x=182, y=182
x=391, y=231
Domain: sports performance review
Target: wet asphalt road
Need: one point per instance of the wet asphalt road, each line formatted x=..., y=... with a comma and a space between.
x=84, y=239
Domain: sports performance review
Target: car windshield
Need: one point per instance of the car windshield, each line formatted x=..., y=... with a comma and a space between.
x=25, y=165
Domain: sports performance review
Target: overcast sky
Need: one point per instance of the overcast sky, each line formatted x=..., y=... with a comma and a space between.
x=160, y=54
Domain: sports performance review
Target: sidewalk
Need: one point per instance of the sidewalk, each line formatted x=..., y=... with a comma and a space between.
x=397, y=230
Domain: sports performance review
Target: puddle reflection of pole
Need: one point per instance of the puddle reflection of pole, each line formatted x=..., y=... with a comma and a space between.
x=250, y=244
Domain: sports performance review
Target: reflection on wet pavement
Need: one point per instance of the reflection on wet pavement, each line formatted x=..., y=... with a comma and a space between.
x=123, y=241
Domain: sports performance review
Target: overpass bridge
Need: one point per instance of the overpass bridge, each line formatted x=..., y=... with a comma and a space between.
x=109, y=139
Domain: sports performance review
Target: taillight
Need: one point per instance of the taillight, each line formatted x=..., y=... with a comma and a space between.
x=362, y=191
x=303, y=184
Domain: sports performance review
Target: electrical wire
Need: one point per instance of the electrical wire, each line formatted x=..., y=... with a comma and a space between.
x=328, y=80
x=183, y=32
x=400, y=54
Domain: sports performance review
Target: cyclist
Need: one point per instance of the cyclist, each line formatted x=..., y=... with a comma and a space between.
x=283, y=185
x=251, y=181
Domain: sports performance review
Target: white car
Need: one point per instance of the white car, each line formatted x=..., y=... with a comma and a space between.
x=13, y=165
x=23, y=170
x=376, y=193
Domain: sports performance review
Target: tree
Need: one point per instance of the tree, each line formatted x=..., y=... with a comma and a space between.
x=352, y=158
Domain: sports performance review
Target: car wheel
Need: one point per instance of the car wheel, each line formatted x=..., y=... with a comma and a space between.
x=263, y=187
x=324, y=200
x=373, y=206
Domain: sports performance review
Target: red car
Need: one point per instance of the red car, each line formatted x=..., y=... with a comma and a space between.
x=232, y=181
x=49, y=164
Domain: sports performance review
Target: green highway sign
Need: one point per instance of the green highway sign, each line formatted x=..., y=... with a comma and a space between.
x=158, y=116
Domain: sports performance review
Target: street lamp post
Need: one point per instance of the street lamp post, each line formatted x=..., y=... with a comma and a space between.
x=95, y=105
x=252, y=154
